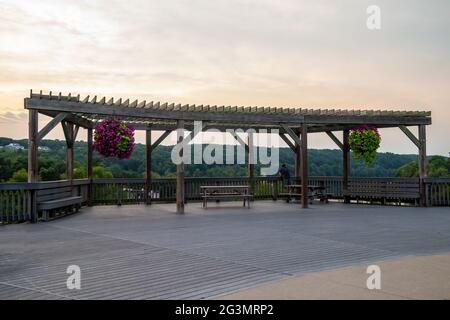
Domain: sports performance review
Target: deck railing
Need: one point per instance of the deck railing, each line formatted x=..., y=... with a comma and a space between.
x=438, y=191
x=16, y=199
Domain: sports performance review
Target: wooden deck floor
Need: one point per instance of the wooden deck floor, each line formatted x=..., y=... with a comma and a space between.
x=139, y=252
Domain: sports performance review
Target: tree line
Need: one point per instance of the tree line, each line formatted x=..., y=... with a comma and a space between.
x=325, y=162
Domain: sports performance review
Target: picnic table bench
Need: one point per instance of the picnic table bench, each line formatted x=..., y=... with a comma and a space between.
x=226, y=192
x=314, y=192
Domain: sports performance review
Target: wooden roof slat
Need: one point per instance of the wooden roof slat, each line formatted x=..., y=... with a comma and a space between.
x=245, y=116
x=133, y=104
x=149, y=105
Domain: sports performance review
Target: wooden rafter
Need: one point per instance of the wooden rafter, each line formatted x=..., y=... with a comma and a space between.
x=335, y=139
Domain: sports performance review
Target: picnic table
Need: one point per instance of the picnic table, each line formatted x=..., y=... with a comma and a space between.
x=314, y=192
x=226, y=192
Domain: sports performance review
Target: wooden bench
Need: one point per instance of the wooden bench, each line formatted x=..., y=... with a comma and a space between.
x=393, y=190
x=226, y=192
x=56, y=200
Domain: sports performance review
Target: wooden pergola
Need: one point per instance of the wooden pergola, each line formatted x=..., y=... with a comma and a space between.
x=73, y=112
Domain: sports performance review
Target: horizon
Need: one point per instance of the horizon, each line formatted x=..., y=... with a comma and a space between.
x=219, y=144
x=316, y=55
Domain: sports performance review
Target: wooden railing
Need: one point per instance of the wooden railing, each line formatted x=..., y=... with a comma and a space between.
x=438, y=191
x=17, y=199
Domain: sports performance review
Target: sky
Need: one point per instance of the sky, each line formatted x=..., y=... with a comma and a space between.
x=284, y=53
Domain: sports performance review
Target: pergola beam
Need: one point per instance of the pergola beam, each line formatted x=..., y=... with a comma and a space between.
x=51, y=124
x=292, y=134
x=240, y=141
x=153, y=113
x=288, y=142
x=335, y=139
x=161, y=139
x=410, y=135
x=70, y=133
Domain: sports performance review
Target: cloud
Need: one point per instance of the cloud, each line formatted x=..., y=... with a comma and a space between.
x=255, y=52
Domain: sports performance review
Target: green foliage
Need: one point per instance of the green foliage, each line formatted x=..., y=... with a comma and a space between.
x=364, y=144
x=100, y=172
x=52, y=165
x=19, y=176
x=437, y=166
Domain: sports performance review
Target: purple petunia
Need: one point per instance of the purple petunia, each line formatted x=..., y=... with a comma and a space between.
x=114, y=138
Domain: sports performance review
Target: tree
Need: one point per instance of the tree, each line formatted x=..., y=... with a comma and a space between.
x=20, y=176
x=100, y=172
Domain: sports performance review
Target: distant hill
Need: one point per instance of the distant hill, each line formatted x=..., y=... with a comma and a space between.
x=13, y=163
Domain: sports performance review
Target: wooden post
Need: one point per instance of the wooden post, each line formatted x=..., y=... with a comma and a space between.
x=33, y=160
x=345, y=165
x=148, y=166
x=32, y=145
x=69, y=154
x=180, y=170
x=297, y=162
x=304, y=165
x=422, y=163
x=70, y=133
x=89, y=166
x=251, y=162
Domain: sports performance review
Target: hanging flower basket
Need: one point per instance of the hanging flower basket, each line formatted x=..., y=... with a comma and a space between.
x=114, y=138
x=364, y=141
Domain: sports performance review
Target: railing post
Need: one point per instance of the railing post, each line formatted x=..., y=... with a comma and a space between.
x=274, y=189
x=89, y=167
x=345, y=166
x=422, y=164
x=148, y=167
x=304, y=165
x=251, y=163
x=32, y=160
x=180, y=169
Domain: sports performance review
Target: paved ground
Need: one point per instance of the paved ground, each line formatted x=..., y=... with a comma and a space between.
x=139, y=252
x=425, y=277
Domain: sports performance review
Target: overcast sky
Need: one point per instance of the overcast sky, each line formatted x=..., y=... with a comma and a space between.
x=315, y=54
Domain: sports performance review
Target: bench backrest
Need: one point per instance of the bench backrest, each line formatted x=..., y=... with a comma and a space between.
x=388, y=189
x=54, y=194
